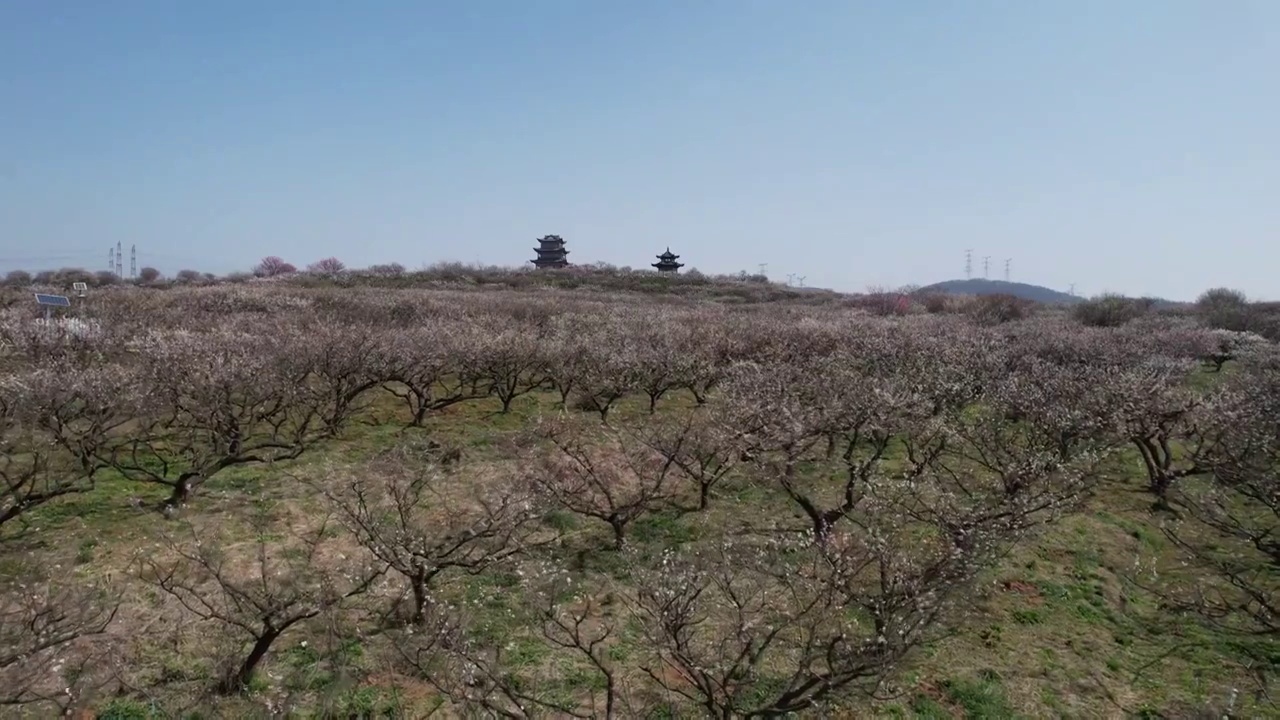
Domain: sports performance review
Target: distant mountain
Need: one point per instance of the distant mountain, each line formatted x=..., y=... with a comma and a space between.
x=999, y=287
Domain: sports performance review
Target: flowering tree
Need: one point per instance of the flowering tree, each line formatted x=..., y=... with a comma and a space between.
x=569, y=622
x=333, y=365
x=216, y=400
x=48, y=629
x=327, y=266
x=1159, y=413
x=1228, y=519
x=511, y=362
x=53, y=423
x=604, y=475
x=431, y=366
x=403, y=513
x=17, y=278
x=287, y=583
x=702, y=449
x=273, y=266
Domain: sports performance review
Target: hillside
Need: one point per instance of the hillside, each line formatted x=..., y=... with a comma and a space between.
x=978, y=286
x=486, y=498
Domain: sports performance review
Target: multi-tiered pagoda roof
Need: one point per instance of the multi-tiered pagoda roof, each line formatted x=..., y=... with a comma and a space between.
x=667, y=262
x=551, y=254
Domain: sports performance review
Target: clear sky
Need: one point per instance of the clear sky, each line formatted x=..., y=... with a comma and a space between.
x=1123, y=145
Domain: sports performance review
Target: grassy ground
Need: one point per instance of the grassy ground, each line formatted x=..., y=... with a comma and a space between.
x=1056, y=629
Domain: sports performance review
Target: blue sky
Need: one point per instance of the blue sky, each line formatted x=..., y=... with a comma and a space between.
x=1128, y=146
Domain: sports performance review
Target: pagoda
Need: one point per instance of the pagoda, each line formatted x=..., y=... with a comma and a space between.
x=667, y=262
x=552, y=253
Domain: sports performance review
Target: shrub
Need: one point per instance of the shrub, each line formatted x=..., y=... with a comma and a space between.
x=997, y=309
x=934, y=303
x=1224, y=308
x=883, y=303
x=67, y=276
x=105, y=278
x=387, y=270
x=149, y=275
x=1110, y=310
x=17, y=278
x=189, y=276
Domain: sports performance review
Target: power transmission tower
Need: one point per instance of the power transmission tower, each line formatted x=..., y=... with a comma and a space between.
x=1072, y=290
x=119, y=259
x=791, y=279
x=1006, y=268
x=133, y=261
x=111, y=260
x=763, y=267
x=986, y=266
x=800, y=278
x=968, y=264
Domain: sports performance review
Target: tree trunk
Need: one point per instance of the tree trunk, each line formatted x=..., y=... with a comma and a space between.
x=181, y=492
x=704, y=496
x=654, y=397
x=418, y=583
x=239, y=681
x=619, y=532
x=419, y=405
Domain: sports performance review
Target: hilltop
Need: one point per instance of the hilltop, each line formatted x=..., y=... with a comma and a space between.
x=976, y=286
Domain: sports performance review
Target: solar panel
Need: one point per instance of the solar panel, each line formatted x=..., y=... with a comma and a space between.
x=53, y=300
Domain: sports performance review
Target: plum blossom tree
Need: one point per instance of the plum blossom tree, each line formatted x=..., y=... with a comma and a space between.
x=603, y=474
x=432, y=366
x=335, y=364
x=1228, y=519
x=701, y=448
x=17, y=278
x=216, y=400
x=327, y=266
x=571, y=623
x=511, y=362
x=286, y=584
x=48, y=627
x=1158, y=414
x=53, y=423
x=405, y=512
x=273, y=266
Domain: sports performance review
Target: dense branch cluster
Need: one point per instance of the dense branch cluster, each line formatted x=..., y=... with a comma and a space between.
x=896, y=459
